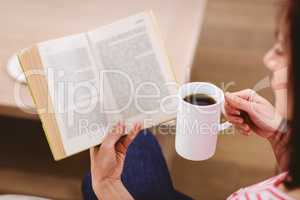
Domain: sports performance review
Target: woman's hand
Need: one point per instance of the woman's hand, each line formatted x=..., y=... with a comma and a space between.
x=107, y=163
x=248, y=111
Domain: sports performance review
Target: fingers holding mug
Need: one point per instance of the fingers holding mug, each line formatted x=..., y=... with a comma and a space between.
x=229, y=110
x=243, y=129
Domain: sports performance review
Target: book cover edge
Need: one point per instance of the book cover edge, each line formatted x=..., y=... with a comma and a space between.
x=55, y=156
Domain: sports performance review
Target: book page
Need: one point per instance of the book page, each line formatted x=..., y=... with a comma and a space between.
x=70, y=72
x=131, y=58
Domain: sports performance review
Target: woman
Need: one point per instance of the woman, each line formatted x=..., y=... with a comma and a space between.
x=141, y=179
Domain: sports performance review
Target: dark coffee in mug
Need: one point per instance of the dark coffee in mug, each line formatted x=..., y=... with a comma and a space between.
x=199, y=99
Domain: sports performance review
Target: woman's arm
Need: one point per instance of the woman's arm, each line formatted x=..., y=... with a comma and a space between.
x=107, y=163
x=279, y=142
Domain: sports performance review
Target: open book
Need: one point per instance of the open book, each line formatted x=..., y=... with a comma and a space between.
x=85, y=83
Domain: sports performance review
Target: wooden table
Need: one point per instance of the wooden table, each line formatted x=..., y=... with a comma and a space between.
x=27, y=22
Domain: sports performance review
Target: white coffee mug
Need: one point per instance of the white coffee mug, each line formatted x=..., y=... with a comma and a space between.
x=198, y=126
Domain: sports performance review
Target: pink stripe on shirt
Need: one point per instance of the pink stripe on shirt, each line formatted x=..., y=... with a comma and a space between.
x=265, y=190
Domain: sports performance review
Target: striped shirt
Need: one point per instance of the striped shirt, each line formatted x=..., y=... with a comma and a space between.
x=266, y=190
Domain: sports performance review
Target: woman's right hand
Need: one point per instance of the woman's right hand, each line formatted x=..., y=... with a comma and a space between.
x=249, y=111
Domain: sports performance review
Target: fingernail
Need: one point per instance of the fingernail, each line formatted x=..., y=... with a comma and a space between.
x=138, y=125
x=247, y=127
x=247, y=133
x=118, y=128
x=135, y=126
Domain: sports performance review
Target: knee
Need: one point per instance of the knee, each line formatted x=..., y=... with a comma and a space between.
x=145, y=143
x=145, y=137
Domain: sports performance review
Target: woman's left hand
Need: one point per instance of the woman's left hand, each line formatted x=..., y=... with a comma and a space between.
x=107, y=161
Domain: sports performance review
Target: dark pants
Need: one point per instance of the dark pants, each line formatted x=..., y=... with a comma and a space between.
x=145, y=173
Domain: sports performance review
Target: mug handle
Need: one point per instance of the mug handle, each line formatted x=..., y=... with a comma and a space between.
x=224, y=126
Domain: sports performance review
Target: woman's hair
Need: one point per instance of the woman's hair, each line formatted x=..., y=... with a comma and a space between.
x=292, y=19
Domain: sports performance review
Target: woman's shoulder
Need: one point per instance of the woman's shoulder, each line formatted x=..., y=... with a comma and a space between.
x=267, y=189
